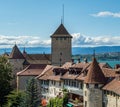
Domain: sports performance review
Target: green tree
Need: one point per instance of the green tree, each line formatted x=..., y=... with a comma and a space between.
x=55, y=102
x=65, y=97
x=32, y=97
x=15, y=99
x=5, y=79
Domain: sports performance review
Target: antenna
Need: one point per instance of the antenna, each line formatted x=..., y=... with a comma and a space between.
x=62, y=14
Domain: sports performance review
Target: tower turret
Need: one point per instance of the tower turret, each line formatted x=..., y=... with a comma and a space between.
x=16, y=59
x=94, y=80
x=61, y=46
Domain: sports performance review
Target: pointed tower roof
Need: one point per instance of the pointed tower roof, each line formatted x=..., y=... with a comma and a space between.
x=95, y=74
x=61, y=31
x=16, y=54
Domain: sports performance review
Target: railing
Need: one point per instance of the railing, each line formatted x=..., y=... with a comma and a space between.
x=74, y=90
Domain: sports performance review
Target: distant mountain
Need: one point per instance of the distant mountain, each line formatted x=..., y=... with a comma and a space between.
x=75, y=50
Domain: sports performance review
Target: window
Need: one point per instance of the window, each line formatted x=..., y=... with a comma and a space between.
x=85, y=103
x=66, y=82
x=60, y=83
x=103, y=104
x=87, y=85
x=60, y=38
x=64, y=38
x=96, y=85
x=69, y=82
x=85, y=93
x=108, y=92
x=104, y=91
x=81, y=85
x=54, y=82
x=41, y=81
x=51, y=82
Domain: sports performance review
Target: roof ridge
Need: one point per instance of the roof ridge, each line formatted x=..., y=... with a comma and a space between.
x=23, y=70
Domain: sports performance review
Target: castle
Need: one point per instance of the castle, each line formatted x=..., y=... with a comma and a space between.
x=90, y=84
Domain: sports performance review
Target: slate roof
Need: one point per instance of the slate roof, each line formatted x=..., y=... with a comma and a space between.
x=16, y=54
x=32, y=70
x=61, y=31
x=95, y=74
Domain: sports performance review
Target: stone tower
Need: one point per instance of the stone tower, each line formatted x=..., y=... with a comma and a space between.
x=93, y=83
x=61, y=46
x=16, y=59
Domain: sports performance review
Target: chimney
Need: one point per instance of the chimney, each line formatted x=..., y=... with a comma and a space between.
x=24, y=52
x=72, y=61
x=118, y=75
x=78, y=60
x=85, y=60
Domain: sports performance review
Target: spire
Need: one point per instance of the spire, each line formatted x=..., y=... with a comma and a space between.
x=95, y=74
x=16, y=54
x=24, y=52
x=63, y=14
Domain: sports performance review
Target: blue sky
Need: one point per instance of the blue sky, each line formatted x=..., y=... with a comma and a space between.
x=31, y=22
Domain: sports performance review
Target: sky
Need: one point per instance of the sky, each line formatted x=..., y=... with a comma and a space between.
x=31, y=22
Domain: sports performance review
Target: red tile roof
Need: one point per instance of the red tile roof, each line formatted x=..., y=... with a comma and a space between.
x=38, y=58
x=16, y=54
x=45, y=75
x=32, y=70
x=113, y=86
x=95, y=74
x=109, y=72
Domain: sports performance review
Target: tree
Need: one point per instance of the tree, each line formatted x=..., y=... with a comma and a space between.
x=55, y=102
x=32, y=97
x=65, y=97
x=5, y=79
x=15, y=99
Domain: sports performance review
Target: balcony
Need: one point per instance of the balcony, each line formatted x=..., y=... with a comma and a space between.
x=74, y=90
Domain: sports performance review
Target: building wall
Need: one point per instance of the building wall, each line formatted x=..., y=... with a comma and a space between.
x=17, y=65
x=92, y=96
x=55, y=88
x=61, y=49
x=111, y=100
x=22, y=82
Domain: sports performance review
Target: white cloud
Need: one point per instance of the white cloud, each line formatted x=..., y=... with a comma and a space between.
x=106, y=14
x=78, y=40
x=86, y=41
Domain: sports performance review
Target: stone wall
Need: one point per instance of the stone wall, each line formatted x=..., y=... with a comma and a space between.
x=22, y=82
x=61, y=50
x=111, y=100
x=92, y=96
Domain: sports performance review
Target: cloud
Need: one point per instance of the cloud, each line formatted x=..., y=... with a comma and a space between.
x=86, y=41
x=27, y=41
x=106, y=14
x=79, y=40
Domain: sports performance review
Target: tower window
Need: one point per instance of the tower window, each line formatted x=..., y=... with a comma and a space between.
x=64, y=38
x=85, y=103
x=96, y=85
x=87, y=85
